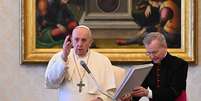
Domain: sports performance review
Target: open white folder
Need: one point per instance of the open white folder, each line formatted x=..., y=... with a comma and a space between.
x=133, y=78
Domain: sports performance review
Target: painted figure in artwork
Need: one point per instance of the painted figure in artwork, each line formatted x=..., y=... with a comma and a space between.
x=157, y=15
x=55, y=20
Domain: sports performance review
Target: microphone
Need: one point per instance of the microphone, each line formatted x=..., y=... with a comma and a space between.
x=84, y=65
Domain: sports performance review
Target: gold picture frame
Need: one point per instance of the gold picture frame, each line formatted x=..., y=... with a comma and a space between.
x=188, y=50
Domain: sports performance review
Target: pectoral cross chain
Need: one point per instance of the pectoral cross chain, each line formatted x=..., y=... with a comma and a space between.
x=81, y=84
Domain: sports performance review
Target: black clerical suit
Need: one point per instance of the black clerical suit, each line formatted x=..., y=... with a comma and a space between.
x=173, y=74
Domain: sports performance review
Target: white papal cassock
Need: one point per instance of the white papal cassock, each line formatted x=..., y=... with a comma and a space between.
x=66, y=76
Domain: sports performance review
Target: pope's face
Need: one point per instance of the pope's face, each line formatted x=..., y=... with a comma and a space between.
x=81, y=41
x=156, y=51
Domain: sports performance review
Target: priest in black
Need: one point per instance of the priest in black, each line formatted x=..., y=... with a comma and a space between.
x=167, y=79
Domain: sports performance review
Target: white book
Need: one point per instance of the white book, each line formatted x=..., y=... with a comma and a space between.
x=133, y=78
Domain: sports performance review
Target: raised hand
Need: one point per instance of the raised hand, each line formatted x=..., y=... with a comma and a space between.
x=67, y=45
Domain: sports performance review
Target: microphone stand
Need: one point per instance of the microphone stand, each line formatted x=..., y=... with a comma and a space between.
x=99, y=89
x=83, y=64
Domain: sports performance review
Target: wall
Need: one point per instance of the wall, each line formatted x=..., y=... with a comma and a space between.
x=25, y=82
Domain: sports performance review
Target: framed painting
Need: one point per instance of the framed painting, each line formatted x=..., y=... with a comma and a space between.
x=118, y=27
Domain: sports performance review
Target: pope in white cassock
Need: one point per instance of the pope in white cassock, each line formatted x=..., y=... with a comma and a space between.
x=74, y=83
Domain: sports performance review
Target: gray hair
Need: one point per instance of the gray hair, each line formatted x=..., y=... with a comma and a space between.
x=154, y=36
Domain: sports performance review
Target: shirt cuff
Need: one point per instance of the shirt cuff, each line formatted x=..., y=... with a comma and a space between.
x=150, y=93
x=65, y=63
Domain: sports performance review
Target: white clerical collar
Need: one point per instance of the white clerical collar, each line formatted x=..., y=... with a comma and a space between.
x=165, y=55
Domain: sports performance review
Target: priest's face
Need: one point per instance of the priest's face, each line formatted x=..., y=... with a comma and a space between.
x=81, y=40
x=156, y=51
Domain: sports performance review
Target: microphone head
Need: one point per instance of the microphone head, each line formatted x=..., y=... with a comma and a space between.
x=84, y=65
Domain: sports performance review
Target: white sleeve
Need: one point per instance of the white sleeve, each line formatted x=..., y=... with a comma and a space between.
x=55, y=71
x=106, y=98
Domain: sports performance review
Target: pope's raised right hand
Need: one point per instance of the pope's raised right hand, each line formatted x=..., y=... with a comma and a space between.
x=67, y=45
